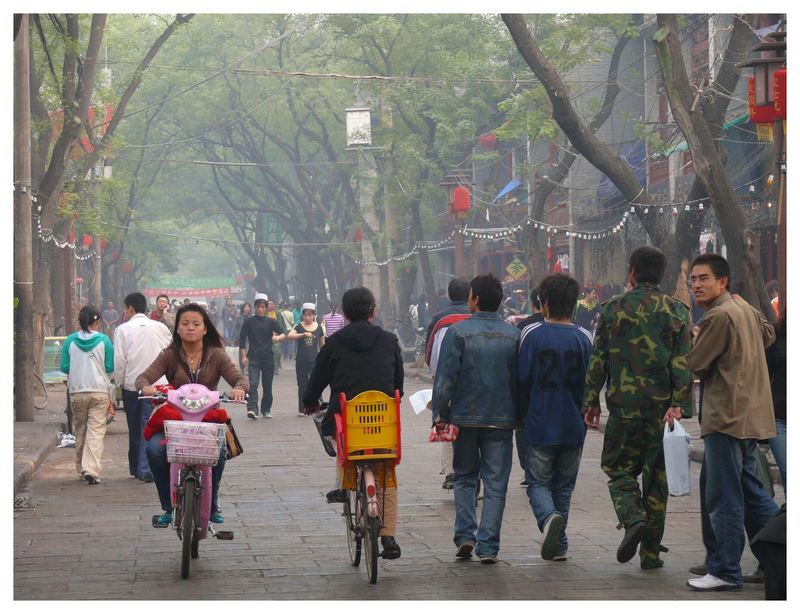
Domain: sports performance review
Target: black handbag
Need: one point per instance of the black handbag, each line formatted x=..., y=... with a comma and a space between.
x=232, y=444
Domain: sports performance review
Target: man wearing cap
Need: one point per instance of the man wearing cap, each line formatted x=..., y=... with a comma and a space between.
x=309, y=339
x=260, y=331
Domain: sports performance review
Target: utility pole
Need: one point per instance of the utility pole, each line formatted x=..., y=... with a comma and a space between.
x=23, y=254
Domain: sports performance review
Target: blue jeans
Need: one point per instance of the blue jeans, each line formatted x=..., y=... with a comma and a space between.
x=522, y=449
x=551, y=473
x=488, y=451
x=265, y=372
x=137, y=413
x=157, y=455
x=778, y=446
x=733, y=491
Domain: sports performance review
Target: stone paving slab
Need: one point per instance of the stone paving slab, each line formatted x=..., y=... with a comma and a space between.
x=290, y=545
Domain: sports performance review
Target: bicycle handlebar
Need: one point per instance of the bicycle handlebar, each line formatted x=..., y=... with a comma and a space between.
x=223, y=398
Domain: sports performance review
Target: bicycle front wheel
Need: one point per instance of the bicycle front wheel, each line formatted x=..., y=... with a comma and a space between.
x=187, y=527
x=39, y=392
x=353, y=539
x=371, y=548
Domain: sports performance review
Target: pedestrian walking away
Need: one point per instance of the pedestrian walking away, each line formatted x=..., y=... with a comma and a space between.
x=553, y=359
x=256, y=354
x=332, y=321
x=196, y=355
x=309, y=338
x=639, y=353
x=137, y=342
x=729, y=358
x=358, y=358
x=87, y=358
x=519, y=439
x=458, y=292
x=476, y=389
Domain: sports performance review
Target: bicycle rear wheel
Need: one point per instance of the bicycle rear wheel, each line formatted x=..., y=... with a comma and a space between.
x=39, y=392
x=353, y=539
x=187, y=527
x=371, y=547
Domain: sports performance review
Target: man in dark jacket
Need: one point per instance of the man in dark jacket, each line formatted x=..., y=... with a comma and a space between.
x=358, y=358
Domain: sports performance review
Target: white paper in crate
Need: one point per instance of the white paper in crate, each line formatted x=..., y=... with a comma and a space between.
x=420, y=399
x=677, y=460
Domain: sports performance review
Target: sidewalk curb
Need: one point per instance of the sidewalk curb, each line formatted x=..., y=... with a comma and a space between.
x=24, y=470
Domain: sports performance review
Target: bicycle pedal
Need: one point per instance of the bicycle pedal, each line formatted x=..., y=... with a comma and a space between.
x=225, y=535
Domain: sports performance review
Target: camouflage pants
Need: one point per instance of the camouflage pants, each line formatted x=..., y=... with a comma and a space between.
x=632, y=447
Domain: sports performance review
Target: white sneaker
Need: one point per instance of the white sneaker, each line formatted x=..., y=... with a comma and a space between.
x=252, y=415
x=712, y=583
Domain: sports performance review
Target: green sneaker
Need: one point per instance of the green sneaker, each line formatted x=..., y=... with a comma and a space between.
x=162, y=521
x=216, y=518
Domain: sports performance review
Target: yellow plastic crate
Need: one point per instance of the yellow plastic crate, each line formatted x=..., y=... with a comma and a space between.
x=371, y=428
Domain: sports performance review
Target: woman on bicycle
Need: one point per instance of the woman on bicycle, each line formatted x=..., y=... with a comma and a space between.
x=88, y=358
x=196, y=355
x=359, y=357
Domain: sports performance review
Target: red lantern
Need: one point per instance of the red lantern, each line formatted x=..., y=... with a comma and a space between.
x=759, y=114
x=779, y=91
x=87, y=241
x=358, y=237
x=461, y=200
x=79, y=280
x=487, y=140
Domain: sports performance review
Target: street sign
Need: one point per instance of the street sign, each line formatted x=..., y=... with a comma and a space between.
x=517, y=269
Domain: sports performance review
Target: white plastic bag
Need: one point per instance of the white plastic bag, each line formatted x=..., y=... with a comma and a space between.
x=677, y=460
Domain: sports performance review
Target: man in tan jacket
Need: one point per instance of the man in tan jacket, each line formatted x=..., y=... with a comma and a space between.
x=728, y=356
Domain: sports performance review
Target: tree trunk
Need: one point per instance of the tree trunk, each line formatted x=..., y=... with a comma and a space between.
x=709, y=166
x=690, y=224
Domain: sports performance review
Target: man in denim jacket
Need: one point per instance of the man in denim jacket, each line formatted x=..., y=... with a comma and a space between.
x=476, y=389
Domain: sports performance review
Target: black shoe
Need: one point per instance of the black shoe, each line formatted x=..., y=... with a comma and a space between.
x=699, y=570
x=465, y=550
x=524, y=483
x=90, y=479
x=757, y=577
x=338, y=495
x=449, y=481
x=651, y=564
x=390, y=548
x=633, y=535
x=146, y=477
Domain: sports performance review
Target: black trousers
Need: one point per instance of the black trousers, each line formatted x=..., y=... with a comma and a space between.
x=303, y=371
x=265, y=372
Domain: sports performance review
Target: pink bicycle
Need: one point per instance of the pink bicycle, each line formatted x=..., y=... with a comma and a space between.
x=193, y=448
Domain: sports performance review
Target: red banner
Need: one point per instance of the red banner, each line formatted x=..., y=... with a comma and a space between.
x=187, y=292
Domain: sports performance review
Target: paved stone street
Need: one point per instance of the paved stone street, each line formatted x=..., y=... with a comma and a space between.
x=76, y=541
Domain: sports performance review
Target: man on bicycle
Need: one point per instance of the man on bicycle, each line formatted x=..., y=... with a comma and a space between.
x=357, y=358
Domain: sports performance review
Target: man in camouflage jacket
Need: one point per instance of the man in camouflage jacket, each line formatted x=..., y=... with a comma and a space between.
x=640, y=352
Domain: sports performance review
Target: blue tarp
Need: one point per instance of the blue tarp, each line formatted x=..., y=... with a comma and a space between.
x=511, y=185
